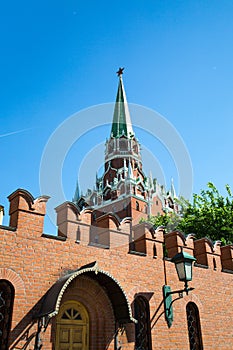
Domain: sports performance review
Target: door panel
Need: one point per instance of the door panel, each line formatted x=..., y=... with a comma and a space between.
x=64, y=338
x=64, y=335
x=79, y=337
x=72, y=337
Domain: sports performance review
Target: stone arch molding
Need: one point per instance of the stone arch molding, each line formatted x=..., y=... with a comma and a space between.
x=52, y=299
x=14, y=278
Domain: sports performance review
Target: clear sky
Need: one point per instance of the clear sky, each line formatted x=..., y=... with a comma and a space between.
x=60, y=57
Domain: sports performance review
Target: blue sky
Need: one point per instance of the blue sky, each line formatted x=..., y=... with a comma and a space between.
x=58, y=58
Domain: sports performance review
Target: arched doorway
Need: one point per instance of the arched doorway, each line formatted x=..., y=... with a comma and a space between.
x=72, y=327
x=96, y=291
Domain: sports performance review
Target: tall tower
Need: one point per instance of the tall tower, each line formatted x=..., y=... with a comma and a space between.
x=123, y=190
x=123, y=180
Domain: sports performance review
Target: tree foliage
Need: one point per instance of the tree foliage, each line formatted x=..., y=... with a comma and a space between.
x=208, y=215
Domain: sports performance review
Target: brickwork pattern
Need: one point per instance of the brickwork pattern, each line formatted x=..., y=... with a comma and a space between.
x=33, y=262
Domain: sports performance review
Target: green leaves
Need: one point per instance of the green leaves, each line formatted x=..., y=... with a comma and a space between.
x=209, y=215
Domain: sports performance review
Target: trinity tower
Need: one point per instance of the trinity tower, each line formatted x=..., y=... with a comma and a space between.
x=124, y=190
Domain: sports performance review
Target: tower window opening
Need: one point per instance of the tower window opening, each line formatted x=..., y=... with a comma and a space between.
x=214, y=263
x=154, y=251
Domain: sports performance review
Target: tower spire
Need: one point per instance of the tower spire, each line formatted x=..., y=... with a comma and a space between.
x=121, y=124
x=173, y=191
x=77, y=193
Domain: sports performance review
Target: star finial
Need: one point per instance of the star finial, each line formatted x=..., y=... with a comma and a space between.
x=120, y=71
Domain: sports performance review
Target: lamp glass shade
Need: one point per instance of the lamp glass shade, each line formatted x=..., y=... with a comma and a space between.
x=183, y=262
x=184, y=271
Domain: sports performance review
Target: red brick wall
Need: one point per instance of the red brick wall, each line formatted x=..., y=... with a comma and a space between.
x=33, y=263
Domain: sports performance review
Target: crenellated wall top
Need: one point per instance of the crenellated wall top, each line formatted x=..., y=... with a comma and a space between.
x=23, y=206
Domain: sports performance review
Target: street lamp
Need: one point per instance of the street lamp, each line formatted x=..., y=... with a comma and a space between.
x=183, y=262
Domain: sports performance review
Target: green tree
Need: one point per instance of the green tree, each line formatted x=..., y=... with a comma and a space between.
x=208, y=215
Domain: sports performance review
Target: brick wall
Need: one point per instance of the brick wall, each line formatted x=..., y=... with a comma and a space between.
x=33, y=262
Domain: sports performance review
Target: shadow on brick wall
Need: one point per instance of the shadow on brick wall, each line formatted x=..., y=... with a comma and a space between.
x=25, y=331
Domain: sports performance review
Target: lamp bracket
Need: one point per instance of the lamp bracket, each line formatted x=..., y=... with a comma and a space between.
x=181, y=291
x=167, y=300
x=168, y=309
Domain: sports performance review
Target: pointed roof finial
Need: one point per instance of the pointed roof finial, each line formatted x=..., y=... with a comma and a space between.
x=173, y=191
x=120, y=71
x=130, y=171
x=121, y=125
x=77, y=193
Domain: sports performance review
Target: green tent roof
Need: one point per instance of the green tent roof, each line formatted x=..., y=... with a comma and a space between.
x=121, y=124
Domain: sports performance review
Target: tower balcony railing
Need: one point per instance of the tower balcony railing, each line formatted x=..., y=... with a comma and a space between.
x=122, y=153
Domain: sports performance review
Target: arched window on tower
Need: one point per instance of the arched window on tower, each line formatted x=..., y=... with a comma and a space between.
x=143, y=327
x=137, y=206
x=7, y=294
x=194, y=327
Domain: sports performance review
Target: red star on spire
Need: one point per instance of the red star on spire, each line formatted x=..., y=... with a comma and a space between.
x=120, y=71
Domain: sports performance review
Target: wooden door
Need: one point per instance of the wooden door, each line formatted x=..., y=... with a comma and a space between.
x=72, y=331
